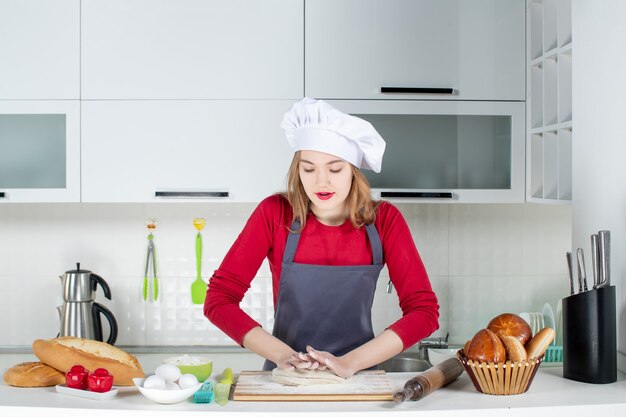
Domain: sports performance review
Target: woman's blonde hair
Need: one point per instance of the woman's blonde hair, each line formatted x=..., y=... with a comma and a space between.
x=361, y=207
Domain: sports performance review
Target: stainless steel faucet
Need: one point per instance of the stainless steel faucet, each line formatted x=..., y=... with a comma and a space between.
x=424, y=344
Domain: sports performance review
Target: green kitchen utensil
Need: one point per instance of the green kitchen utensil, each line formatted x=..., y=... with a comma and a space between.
x=198, y=287
x=227, y=376
x=151, y=259
x=221, y=390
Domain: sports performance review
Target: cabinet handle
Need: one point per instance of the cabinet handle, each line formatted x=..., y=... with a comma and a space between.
x=415, y=194
x=191, y=194
x=416, y=90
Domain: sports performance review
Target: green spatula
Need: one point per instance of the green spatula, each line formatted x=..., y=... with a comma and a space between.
x=198, y=287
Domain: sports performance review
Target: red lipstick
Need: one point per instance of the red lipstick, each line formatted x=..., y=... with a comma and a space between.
x=324, y=196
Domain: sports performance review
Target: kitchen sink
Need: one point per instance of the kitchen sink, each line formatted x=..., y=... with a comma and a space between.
x=405, y=363
x=414, y=360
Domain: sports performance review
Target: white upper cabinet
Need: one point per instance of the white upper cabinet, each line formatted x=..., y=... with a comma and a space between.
x=446, y=151
x=39, y=49
x=471, y=50
x=192, y=49
x=39, y=151
x=182, y=150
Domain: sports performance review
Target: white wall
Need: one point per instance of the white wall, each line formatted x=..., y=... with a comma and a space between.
x=599, y=136
x=482, y=260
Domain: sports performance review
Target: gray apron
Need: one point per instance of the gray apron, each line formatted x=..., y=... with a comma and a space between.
x=326, y=307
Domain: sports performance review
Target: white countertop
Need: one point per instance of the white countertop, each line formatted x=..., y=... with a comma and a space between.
x=549, y=394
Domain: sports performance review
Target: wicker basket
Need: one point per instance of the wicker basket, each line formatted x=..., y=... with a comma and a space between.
x=508, y=378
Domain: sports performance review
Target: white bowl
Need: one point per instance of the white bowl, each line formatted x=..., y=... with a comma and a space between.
x=164, y=396
x=436, y=355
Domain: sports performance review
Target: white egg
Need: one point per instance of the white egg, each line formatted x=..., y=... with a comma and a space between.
x=172, y=386
x=154, y=381
x=170, y=373
x=187, y=381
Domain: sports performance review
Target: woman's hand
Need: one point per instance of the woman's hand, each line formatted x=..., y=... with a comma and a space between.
x=299, y=360
x=379, y=349
x=339, y=365
x=264, y=344
x=305, y=361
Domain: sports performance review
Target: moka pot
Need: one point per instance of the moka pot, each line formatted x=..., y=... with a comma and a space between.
x=80, y=315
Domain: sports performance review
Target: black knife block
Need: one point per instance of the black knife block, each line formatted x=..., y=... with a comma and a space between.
x=589, y=336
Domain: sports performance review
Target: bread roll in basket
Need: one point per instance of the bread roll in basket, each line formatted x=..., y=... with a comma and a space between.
x=500, y=376
x=506, y=378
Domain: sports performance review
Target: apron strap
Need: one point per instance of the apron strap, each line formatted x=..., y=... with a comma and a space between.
x=292, y=242
x=377, y=246
x=294, y=238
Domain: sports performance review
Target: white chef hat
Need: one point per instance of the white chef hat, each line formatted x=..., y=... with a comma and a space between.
x=315, y=125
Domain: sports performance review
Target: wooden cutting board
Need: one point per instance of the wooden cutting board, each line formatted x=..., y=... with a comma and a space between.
x=363, y=386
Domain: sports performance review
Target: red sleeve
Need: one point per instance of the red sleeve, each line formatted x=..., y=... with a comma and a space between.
x=420, y=309
x=232, y=279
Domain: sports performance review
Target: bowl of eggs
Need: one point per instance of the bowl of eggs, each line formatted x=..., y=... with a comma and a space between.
x=168, y=385
x=199, y=366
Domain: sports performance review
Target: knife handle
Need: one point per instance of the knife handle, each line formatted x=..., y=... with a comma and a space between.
x=595, y=264
x=582, y=272
x=568, y=256
x=604, y=251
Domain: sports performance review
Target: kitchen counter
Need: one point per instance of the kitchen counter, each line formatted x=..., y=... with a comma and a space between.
x=549, y=394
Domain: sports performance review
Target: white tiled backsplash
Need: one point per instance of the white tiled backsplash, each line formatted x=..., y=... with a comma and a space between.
x=482, y=260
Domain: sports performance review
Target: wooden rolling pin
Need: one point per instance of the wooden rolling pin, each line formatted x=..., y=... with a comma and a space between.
x=431, y=380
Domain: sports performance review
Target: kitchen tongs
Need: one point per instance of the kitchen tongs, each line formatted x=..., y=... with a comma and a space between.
x=151, y=259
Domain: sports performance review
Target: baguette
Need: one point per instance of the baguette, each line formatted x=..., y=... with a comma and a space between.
x=33, y=374
x=64, y=352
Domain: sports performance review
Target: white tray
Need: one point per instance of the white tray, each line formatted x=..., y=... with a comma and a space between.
x=63, y=389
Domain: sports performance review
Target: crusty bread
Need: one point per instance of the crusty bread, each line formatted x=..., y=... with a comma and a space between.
x=540, y=342
x=33, y=374
x=515, y=351
x=486, y=347
x=509, y=324
x=64, y=352
x=466, y=347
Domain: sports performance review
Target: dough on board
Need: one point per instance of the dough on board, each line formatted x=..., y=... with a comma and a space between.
x=305, y=377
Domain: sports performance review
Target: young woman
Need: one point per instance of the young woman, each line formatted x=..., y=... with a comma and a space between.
x=326, y=242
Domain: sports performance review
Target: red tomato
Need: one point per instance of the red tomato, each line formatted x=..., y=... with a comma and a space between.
x=76, y=377
x=100, y=380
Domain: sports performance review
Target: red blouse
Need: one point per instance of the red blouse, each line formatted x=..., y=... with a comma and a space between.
x=265, y=235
